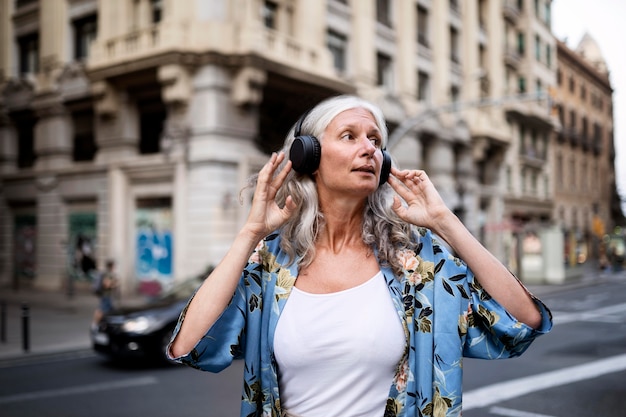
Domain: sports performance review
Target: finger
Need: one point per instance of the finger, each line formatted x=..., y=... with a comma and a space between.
x=401, y=188
x=266, y=172
x=279, y=179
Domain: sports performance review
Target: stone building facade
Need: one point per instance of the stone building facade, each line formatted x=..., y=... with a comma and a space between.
x=128, y=128
x=584, y=152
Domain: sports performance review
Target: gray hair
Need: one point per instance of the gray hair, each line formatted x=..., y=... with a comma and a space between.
x=382, y=230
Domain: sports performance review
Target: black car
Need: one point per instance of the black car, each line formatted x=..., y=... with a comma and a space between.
x=143, y=331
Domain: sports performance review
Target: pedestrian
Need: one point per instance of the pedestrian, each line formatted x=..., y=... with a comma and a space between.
x=339, y=292
x=104, y=287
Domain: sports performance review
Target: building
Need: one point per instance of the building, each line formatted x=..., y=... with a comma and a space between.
x=584, y=154
x=129, y=127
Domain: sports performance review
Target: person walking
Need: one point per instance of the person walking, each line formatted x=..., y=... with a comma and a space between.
x=105, y=287
x=339, y=293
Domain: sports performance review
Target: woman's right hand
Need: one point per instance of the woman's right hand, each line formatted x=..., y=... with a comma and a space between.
x=265, y=215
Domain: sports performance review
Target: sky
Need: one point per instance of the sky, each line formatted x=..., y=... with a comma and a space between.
x=604, y=21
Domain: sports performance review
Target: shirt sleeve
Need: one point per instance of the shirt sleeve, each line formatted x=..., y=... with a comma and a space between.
x=225, y=340
x=494, y=333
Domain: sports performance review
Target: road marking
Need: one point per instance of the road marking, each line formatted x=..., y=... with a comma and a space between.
x=83, y=389
x=493, y=394
x=508, y=412
x=588, y=315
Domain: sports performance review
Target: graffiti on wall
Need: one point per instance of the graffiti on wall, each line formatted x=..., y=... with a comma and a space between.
x=153, y=265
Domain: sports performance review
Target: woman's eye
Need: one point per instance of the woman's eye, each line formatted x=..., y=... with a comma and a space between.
x=375, y=141
x=347, y=136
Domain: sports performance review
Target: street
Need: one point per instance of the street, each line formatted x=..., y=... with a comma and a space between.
x=577, y=370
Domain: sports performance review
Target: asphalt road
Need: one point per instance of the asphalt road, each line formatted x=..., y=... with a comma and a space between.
x=577, y=370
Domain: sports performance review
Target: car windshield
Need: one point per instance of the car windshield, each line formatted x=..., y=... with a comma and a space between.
x=180, y=291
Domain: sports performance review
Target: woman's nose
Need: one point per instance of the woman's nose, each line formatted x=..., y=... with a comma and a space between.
x=368, y=147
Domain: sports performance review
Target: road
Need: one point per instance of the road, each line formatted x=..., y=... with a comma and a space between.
x=578, y=369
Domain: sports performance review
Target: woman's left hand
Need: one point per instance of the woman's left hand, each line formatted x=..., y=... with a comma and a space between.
x=424, y=206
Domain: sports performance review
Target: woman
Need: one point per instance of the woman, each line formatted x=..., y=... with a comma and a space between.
x=347, y=304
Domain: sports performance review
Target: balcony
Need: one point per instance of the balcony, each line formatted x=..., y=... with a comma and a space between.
x=510, y=11
x=512, y=58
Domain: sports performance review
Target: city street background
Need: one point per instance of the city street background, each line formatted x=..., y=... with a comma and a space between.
x=576, y=370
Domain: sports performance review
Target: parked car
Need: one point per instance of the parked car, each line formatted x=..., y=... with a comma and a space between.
x=143, y=331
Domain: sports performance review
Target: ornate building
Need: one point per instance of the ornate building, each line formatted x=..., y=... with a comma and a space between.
x=584, y=153
x=129, y=127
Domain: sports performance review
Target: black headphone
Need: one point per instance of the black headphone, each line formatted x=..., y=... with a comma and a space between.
x=306, y=151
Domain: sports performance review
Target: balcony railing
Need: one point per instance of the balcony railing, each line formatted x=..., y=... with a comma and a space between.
x=510, y=11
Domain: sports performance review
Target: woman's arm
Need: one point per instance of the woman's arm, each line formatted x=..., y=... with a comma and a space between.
x=426, y=208
x=217, y=290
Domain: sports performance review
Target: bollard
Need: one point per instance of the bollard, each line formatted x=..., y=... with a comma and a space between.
x=3, y=321
x=25, y=327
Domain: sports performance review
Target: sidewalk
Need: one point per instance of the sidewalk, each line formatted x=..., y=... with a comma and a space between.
x=58, y=323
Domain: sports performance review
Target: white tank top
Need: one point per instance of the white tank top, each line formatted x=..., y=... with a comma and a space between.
x=337, y=353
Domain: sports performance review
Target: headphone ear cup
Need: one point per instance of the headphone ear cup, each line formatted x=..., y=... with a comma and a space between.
x=305, y=154
x=385, y=169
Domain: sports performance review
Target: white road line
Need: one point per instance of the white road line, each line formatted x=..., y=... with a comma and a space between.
x=588, y=315
x=493, y=394
x=508, y=412
x=83, y=389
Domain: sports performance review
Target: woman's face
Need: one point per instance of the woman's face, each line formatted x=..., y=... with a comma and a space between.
x=351, y=156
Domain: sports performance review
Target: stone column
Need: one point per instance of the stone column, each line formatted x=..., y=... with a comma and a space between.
x=363, y=43
x=54, y=41
x=440, y=157
x=51, y=230
x=221, y=141
x=408, y=152
x=53, y=133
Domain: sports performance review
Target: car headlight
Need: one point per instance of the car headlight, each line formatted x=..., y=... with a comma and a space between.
x=139, y=325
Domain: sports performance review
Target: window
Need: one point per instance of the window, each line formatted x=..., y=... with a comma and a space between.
x=537, y=11
x=482, y=12
x=24, y=122
x=521, y=85
x=521, y=48
x=156, y=7
x=454, y=45
x=269, y=13
x=28, y=49
x=583, y=92
x=572, y=84
x=422, y=26
x=85, y=32
x=548, y=56
x=537, y=48
x=152, y=115
x=572, y=119
x=547, y=18
x=455, y=94
x=423, y=86
x=383, y=12
x=384, y=70
x=21, y=3
x=337, y=46
x=84, y=148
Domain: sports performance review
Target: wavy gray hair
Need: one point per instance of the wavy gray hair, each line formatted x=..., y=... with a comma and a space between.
x=383, y=230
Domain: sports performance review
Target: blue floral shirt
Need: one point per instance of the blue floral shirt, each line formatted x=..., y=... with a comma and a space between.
x=445, y=313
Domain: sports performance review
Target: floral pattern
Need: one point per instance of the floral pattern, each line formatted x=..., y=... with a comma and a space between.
x=445, y=314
